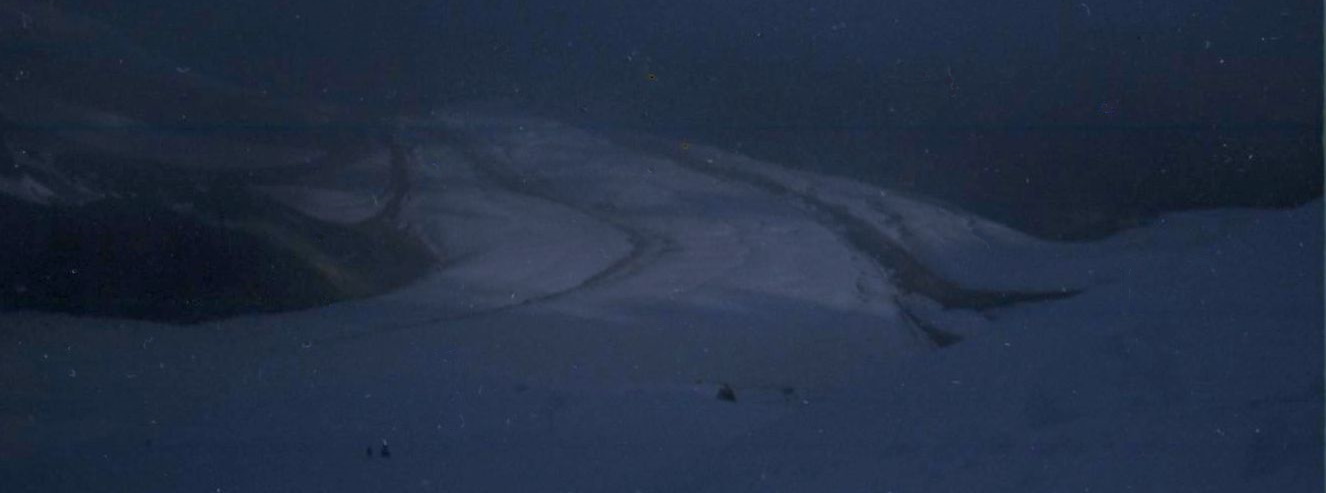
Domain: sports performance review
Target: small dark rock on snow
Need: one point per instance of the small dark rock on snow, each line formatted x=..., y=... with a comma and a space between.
x=725, y=393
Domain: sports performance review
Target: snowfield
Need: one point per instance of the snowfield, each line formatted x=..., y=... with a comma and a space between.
x=598, y=290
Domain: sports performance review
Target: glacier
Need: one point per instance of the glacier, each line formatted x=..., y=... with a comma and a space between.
x=598, y=289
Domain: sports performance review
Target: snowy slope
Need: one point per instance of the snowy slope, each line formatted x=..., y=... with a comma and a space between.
x=1198, y=369
x=598, y=291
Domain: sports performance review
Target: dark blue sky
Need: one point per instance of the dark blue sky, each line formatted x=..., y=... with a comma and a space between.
x=429, y=49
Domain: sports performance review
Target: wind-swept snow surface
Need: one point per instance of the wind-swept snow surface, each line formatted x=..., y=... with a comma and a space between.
x=599, y=292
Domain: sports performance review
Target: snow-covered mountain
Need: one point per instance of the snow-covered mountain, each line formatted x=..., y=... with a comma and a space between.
x=598, y=291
